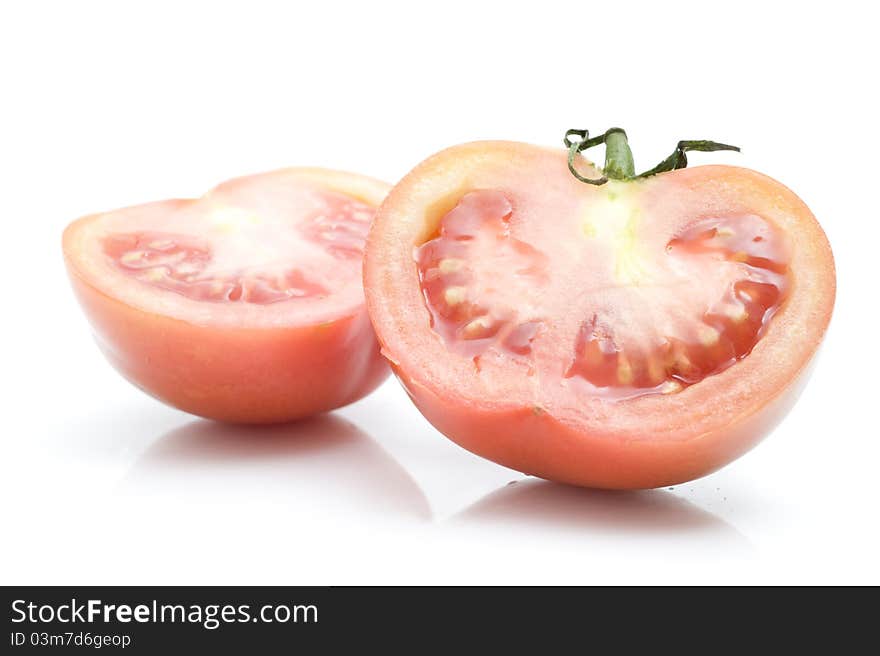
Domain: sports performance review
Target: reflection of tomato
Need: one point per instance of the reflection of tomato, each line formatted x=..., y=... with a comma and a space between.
x=245, y=305
x=634, y=334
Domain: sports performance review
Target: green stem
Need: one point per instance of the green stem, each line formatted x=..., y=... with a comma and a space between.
x=619, y=163
x=619, y=159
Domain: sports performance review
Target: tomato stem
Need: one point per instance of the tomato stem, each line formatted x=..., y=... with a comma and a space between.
x=619, y=163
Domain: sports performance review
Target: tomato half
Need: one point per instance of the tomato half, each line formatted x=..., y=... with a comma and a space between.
x=630, y=335
x=245, y=305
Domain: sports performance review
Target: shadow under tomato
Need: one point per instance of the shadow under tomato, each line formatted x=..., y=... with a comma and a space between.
x=539, y=504
x=320, y=463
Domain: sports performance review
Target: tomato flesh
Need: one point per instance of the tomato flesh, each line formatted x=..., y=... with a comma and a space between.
x=178, y=263
x=474, y=272
x=464, y=273
x=193, y=267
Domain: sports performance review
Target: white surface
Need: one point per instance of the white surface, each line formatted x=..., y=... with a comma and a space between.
x=110, y=104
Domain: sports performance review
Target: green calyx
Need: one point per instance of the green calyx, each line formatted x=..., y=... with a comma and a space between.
x=619, y=163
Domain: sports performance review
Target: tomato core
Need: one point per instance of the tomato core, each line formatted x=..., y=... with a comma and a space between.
x=673, y=313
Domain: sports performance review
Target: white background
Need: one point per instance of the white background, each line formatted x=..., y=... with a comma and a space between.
x=109, y=104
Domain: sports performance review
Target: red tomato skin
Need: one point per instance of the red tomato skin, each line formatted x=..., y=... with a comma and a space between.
x=243, y=375
x=536, y=443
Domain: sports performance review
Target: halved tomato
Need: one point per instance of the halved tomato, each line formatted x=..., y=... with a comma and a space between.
x=632, y=334
x=245, y=305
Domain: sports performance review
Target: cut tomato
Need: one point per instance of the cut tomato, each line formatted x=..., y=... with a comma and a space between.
x=631, y=334
x=245, y=305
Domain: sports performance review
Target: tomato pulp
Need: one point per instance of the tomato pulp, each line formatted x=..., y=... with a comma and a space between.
x=633, y=334
x=245, y=305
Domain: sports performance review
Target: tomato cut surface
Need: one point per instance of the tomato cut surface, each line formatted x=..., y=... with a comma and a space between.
x=633, y=334
x=676, y=315
x=243, y=305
